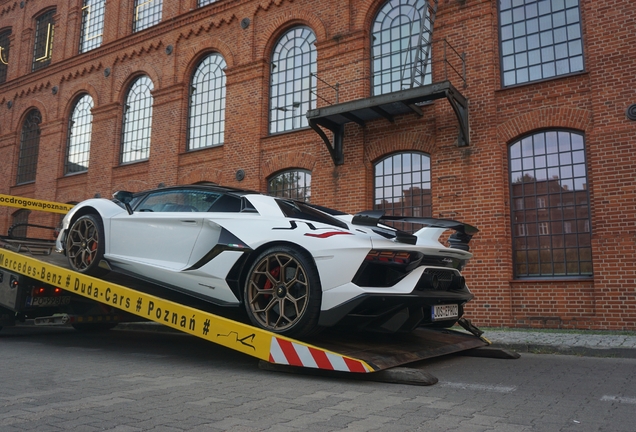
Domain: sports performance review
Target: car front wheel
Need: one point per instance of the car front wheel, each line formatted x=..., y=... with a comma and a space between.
x=85, y=245
x=283, y=293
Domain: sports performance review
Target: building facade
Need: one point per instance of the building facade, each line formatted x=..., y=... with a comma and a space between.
x=516, y=116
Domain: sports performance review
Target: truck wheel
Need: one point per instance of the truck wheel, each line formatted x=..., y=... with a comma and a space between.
x=85, y=245
x=282, y=292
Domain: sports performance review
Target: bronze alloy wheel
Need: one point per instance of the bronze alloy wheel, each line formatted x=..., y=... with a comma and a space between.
x=282, y=293
x=84, y=248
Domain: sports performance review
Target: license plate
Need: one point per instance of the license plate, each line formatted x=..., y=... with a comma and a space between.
x=47, y=301
x=442, y=312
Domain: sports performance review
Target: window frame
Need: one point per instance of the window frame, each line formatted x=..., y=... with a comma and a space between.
x=93, y=12
x=542, y=49
x=146, y=108
x=287, y=109
x=299, y=193
x=218, y=114
x=387, y=10
x=552, y=244
x=20, y=217
x=43, y=40
x=73, y=119
x=155, y=13
x=29, y=148
x=425, y=209
x=5, y=52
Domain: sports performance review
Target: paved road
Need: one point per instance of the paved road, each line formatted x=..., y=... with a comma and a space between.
x=60, y=380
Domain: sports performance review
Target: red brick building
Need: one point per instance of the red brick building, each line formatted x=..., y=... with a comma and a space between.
x=517, y=118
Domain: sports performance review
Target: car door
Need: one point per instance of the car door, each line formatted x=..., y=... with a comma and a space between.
x=161, y=232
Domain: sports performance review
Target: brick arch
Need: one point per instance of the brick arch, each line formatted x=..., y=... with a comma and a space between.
x=288, y=160
x=283, y=22
x=189, y=60
x=409, y=141
x=364, y=15
x=200, y=175
x=34, y=104
x=557, y=117
x=82, y=89
x=128, y=74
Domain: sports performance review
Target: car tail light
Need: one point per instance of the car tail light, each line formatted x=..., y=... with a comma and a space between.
x=39, y=292
x=389, y=257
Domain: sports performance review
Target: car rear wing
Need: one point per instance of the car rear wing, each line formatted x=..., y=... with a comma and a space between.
x=373, y=218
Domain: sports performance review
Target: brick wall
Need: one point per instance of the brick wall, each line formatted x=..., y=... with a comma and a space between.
x=470, y=184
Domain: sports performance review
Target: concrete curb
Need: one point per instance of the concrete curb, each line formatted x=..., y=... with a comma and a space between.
x=582, y=351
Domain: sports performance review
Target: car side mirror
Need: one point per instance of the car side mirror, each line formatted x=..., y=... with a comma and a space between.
x=125, y=198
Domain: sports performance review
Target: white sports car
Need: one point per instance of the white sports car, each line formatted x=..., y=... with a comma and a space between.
x=295, y=267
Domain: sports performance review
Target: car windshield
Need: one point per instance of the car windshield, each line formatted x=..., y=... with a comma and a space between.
x=178, y=201
x=297, y=209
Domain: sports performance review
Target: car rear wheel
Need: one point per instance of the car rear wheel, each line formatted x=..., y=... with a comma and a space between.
x=85, y=245
x=283, y=293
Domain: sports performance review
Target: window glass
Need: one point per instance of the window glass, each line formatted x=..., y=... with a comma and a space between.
x=179, y=201
x=206, y=2
x=547, y=39
x=293, y=81
x=395, y=38
x=92, y=25
x=43, y=47
x=4, y=54
x=137, y=121
x=294, y=184
x=80, y=127
x=403, y=186
x=551, y=230
x=147, y=13
x=29, y=147
x=207, y=103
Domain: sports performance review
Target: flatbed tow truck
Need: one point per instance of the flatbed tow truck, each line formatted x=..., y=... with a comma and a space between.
x=36, y=285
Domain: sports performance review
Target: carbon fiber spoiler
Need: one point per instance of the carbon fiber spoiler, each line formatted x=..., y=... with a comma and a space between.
x=458, y=240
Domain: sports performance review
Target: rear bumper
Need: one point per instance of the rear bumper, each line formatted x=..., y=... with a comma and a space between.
x=393, y=313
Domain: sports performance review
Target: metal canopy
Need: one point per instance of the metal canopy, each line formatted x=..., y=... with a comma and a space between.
x=388, y=106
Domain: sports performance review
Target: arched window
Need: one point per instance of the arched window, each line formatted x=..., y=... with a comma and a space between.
x=550, y=205
x=29, y=147
x=293, y=87
x=92, y=25
x=207, y=103
x=539, y=39
x=395, y=37
x=19, y=223
x=80, y=126
x=403, y=186
x=294, y=184
x=137, y=121
x=147, y=13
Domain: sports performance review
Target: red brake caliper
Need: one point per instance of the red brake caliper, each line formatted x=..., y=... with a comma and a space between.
x=93, y=248
x=268, y=283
